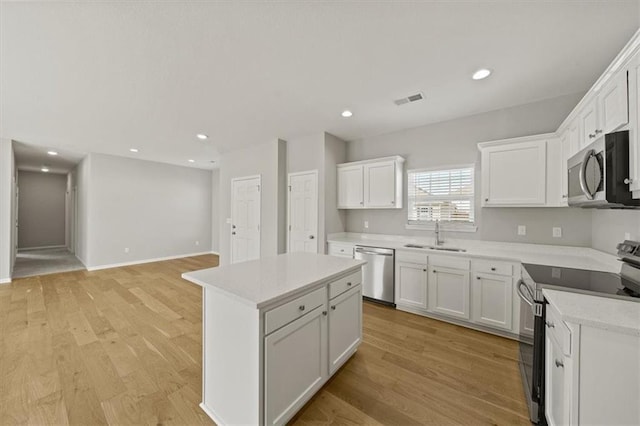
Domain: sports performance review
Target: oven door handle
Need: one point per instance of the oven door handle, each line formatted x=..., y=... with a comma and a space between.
x=522, y=295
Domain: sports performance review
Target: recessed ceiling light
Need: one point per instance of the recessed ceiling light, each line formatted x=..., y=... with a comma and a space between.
x=191, y=161
x=133, y=149
x=346, y=113
x=481, y=73
x=202, y=136
x=45, y=169
x=52, y=153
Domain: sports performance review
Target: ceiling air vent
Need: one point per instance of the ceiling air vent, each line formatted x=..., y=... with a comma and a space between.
x=413, y=98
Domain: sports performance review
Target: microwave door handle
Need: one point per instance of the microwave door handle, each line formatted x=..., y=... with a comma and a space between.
x=583, y=172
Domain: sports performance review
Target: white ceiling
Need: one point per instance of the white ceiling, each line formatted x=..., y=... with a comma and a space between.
x=108, y=76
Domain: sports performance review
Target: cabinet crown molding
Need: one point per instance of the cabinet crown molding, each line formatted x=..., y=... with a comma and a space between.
x=374, y=160
x=508, y=141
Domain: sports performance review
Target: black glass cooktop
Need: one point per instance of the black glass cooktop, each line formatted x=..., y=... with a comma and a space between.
x=605, y=283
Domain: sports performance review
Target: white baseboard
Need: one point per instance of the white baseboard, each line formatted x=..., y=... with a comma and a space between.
x=139, y=262
x=212, y=414
x=40, y=248
x=5, y=280
x=214, y=252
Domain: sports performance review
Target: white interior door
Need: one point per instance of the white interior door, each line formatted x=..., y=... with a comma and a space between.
x=245, y=219
x=303, y=212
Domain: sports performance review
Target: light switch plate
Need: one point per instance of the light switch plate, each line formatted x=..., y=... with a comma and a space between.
x=627, y=235
x=557, y=232
x=522, y=230
x=366, y=224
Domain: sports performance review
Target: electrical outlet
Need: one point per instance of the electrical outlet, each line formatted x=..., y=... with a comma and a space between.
x=522, y=230
x=126, y=249
x=627, y=235
x=366, y=224
x=197, y=243
x=557, y=232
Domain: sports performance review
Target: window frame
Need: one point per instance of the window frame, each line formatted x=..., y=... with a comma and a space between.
x=445, y=225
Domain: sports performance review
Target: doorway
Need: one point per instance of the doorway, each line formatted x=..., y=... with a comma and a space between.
x=246, y=209
x=302, y=212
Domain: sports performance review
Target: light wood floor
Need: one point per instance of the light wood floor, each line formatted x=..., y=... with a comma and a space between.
x=123, y=346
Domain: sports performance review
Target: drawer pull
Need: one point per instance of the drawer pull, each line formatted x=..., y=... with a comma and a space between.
x=301, y=307
x=559, y=364
x=333, y=308
x=477, y=278
x=493, y=269
x=550, y=324
x=424, y=270
x=349, y=284
x=435, y=272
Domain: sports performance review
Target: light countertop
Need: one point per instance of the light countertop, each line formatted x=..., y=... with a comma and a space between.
x=264, y=281
x=617, y=315
x=539, y=254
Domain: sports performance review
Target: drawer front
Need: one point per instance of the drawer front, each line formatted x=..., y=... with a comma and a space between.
x=557, y=329
x=411, y=257
x=344, y=250
x=290, y=311
x=491, y=267
x=449, y=262
x=343, y=284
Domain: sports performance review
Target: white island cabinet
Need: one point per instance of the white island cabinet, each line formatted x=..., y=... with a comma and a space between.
x=274, y=331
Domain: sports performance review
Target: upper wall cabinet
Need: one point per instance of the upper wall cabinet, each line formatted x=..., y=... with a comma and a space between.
x=371, y=184
x=613, y=102
x=522, y=172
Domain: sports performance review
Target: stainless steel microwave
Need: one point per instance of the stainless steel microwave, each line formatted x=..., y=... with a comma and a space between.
x=599, y=174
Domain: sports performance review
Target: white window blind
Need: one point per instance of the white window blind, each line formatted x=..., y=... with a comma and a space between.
x=446, y=195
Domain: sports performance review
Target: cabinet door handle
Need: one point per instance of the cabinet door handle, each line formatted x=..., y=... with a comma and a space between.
x=598, y=131
x=493, y=269
x=393, y=202
x=361, y=202
x=591, y=135
x=349, y=284
x=424, y=270
x=435, y=272
x=333, y=308
x=628, y=181
x=559, y=364
x=301, y=307
x=324, y=313
x=486, y=199
x=477, y=278
x=550, y=324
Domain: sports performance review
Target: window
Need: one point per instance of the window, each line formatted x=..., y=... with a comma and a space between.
x=445, y=195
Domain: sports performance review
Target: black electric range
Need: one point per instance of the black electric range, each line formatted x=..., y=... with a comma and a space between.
x=624, y=285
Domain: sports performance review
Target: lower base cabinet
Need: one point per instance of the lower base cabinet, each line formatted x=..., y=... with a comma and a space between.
x=449, y=291
x=493, y=300
x=411, y=285
x=557, y=395
x=295, y=365
x=345, y=327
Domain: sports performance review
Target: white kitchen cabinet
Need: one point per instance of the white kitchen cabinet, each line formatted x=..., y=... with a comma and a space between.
x=340, y=249
x=634, y=124
x=574, y=137
x=565, y=153
x=557, y=384
x=556, y=174
x=380, y=184
x=295, y=365
x=493, y=300
x=514, y=172
x=350, y=186
x=345, y=326
x=589, y=123
x=411, y=285
x=613, y=103
x=449, y=291
x=371, y=184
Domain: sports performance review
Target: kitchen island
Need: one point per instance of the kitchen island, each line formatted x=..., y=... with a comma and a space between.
x=274, y=331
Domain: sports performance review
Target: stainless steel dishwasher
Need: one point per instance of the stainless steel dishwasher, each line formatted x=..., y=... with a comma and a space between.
x=377, y=274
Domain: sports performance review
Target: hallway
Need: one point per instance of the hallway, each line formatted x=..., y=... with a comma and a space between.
x=45, y=261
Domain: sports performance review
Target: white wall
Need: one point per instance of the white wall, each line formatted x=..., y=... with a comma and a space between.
x=82, y=172
x=335, y=152
x=610, y=226
x=455, y=142
x=155, y=210
x=215, y=211
x=41, y=209
x=265, y=160
x=7, y=176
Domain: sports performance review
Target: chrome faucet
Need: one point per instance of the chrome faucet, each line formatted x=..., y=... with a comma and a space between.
x=439, y=240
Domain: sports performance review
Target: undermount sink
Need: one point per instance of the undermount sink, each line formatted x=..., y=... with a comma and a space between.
x=418, y=246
